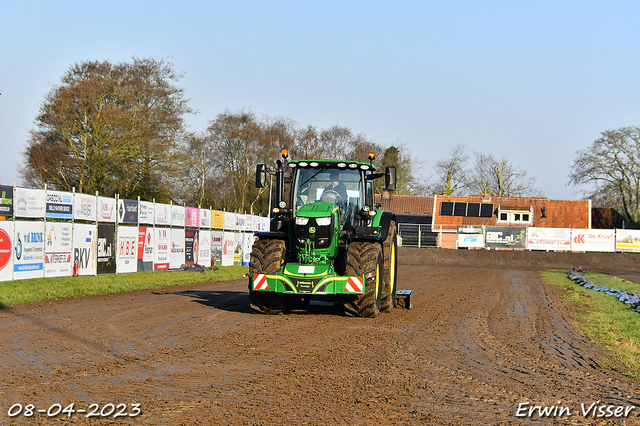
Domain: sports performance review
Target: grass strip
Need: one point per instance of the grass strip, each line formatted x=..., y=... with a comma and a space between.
x=20, y=292
x=602, y=318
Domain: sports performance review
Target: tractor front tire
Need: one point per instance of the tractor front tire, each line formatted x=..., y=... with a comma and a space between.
x=365, y=258
x=390, y=248
x=267, y=257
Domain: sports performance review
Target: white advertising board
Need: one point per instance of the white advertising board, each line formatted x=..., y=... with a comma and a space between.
x=550, y=239
x=28, y=257
x=162, y=213
x=59, y=205
x=127, y=246
x=229, y=221
x=6, y=250
x=600, y=240
x=470, y=240
x=628, y=240
x=217, y=243
x=85, y=207
x=29, y=203
x=205, y=219
x=145, y=213
x=247, y=246
x=57, y=249
x=228, y=248
x=204, y=248
x=177, y=215
x=176, y=259
x=84, y=248
x=161, y=253
x=107, y=209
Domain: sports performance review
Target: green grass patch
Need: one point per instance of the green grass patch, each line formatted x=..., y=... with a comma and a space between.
x=605, y=320
x=20, y=292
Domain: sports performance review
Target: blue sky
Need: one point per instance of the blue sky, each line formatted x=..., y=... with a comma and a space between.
x=534, y=81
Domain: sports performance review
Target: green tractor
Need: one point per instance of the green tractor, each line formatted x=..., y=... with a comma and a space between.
x=328, y=243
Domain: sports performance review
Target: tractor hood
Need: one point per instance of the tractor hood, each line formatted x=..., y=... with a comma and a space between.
x=317, y=210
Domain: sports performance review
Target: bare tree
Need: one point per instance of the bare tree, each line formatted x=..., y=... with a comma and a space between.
x=499, y=178
x=612, y=165
x=451, y=172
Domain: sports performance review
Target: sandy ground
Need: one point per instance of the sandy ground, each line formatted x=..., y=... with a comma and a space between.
x=482, y=345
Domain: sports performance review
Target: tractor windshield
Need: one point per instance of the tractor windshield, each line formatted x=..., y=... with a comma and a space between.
x=342, y=187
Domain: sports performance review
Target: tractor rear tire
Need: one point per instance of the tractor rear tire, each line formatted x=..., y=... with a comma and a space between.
x=365, y=258
x=267, y=257
x=390, y=248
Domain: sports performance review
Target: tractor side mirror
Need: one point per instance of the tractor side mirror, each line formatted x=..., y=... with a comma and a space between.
x=261, y=175
x=390, y=178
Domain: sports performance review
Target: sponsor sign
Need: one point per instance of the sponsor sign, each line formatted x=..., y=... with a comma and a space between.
x=57, y=249
x=128, y=211
x=247, y=246
x=28, y=250
x=205, y=218
x=217, y=243
x=176, y=258
x=161, y=253
x=509, y=237
x=6, y=251
x=190, y=246
x=217, y=219
x=145, y=249
x=177, y=215
x=229, y=221
x=237, y=255
x=628, y=240
x=59, y=205
x=191, y=217
x=555, y=239
x=145, y=213
x=127, y=257
x=107, y=209
x=240, y=221
x=6, y=200
x=84, y=248
x=228, y=248
x=106, y=249
x=162, y=213
x=248, y=223
x=602, y=240
x=85, y=207
x=29, y=203
x=470, y=229
x=470, y=240
x=204, y=248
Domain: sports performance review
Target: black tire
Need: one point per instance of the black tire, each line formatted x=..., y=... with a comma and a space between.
x=390, y=250
x=365, y=259
x=267, y=257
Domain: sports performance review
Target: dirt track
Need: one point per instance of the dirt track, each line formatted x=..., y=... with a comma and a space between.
x=479, y=342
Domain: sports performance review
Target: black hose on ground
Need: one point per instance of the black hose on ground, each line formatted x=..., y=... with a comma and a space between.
x=626, y=297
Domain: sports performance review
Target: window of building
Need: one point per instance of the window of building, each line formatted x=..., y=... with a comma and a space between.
x=523, y=217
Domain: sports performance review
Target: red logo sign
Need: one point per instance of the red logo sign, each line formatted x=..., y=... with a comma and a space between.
x=579, y=239
x=5, y=248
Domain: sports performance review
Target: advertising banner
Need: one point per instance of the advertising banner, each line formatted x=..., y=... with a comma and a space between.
x=127, y=258
x=176, y=258
x=470, y=229
x=57, y=249
x=265, y=224
x=29, y=203
x=6, y=200
x=145, y=213
x=85, y=207
x=161, y=254
x=204, y=248
x=6, y=250
x=162, y=213
x=28, y=260
x=601, y=240
x=247, y=246
x=107, y=209
x=217, y=243
x=84, y=248
x=237, y=255
x=229, y=221
x=550, y=239
x=59, y=205
x=228, y=248
x=145, y=248
x=128, y=211
x=470, y=240
x=248, y=223
x=177, y=215
x=106, y=249
x=217, y=219
x=508, y=237
x=191, y=217
x=190, y=246
x=240, y=221
x=628, y=240
x=205, y=219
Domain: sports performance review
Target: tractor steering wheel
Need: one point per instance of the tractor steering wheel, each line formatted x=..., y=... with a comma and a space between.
x=330, y=196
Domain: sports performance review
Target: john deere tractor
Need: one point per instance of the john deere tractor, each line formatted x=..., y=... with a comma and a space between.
x=328, y=243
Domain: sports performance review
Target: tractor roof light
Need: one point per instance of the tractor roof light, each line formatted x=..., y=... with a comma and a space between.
x=314, y=164
x=364, y=167
x=285, y=153
x=303, y=164
x=353, y=165
x=293, y=165
x=342, y=165
x=372, y=156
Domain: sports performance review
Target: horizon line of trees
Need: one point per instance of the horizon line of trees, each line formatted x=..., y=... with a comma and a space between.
x=120, y=128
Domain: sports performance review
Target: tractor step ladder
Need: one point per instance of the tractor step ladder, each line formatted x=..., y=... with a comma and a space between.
x=403, y=298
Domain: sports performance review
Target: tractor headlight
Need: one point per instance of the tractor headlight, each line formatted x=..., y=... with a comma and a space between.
x=302, y=221
x=323, y=221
